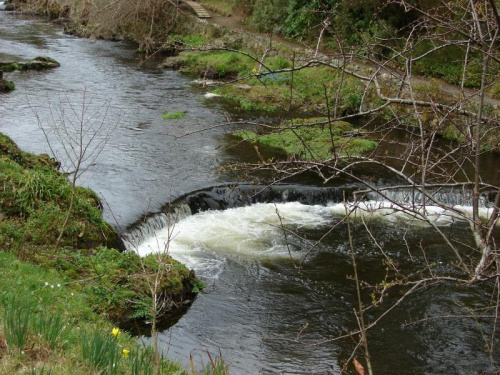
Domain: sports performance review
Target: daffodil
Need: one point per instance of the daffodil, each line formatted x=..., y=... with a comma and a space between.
x=115, y=332
x=255, y=71
x=125, y=353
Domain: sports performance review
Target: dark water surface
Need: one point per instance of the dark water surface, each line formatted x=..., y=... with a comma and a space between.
x=256, y=302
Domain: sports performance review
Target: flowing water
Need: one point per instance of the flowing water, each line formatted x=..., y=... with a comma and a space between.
x=256, y=302
x=142, y=165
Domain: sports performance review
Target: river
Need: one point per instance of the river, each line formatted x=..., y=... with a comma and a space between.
x=256, y=302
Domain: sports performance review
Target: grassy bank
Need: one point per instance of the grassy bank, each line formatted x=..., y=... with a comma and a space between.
x=85, y=283
x=47, y=326
x=254, y=87
x=306, y=141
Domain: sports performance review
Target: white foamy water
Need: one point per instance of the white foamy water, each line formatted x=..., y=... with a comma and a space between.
x=203, y=241
x=252, y=231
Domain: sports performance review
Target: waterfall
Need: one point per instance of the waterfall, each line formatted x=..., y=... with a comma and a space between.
x=234, y=196
x=147, y=227
x=449, y=197
x=229, y=196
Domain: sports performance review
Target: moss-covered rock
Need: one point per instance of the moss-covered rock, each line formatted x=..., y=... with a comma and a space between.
x=313, y=142
x=6, y=85
x=38, y=63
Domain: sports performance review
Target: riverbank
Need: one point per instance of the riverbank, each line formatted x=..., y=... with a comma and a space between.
x=256, y=73
x=89, y=286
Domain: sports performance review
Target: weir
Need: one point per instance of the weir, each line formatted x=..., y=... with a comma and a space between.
x=234, y=195
x=449, y=196
x=230, y=196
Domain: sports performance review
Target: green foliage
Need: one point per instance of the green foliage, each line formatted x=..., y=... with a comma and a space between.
x=16, y=319
x=216, y=366
x=217, y=64
x=7, y=85
x=312, y=142
x=100, y=349
x=447, y=63
x=277, y=63
x=35, y=199
x=50, y=327
x=141, y=361
x=271, y=92
x=269, y=15
x=9, y=67
x=118, y=284
x=199, y=286
x=172, y=116
x=55, y=297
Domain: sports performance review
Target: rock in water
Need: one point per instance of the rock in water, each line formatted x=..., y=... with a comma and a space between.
x=38, y=63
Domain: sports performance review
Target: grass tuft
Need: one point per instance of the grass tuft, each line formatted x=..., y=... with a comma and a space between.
x=101, y=350
x=16, y=319
x=173, y=116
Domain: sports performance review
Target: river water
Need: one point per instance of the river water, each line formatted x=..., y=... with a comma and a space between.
x=256, y=302
x=142, y=165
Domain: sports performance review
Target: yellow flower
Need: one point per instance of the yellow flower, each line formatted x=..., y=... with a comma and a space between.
x=254, y=71
x=125, y=353
x=115, y=332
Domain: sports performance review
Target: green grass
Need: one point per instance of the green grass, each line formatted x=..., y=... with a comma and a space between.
x=101, y=351
x=50, y=328
x=117, y=284
x=173, y=116
x=80, y=287
x=312, y=142
x=191, y=40
x=219, y=64
x=271, y=92
x=16, y=318
x=34, y=200
x=57, y=347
